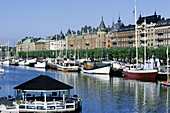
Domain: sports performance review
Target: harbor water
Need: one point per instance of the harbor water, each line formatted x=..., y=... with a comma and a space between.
x=100, y=93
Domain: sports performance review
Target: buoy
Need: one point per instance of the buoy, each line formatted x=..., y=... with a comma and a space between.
x=4, y=76
x=1, y=76
x=18, y=76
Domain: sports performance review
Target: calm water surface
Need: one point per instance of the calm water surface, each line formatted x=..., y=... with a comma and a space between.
x=100, y=93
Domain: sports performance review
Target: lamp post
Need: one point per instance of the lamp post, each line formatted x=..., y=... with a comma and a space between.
x=87, y=44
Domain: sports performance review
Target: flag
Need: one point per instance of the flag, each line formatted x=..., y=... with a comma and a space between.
x=134, y=12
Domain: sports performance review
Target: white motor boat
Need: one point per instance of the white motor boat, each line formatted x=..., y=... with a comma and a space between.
x=117, y=65
x=22, y=63
x=67, y=65
x=96, y=68
x=41, y=65
x=7, y=62
x=30, y=62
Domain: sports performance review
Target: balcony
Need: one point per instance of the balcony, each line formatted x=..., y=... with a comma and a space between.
x=114, y=42
x=130, y=42
x=160, y=39
x=160, y=33
x=143, y=34
x=130, y=36
x=143, y=41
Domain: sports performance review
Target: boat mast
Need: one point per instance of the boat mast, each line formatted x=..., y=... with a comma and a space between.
x=8, y=49
x=1, y=47
x=145, y=31
x=56, y=45
x=136, y=38
x=168, y=79
x=14, y=50
x=66, y=46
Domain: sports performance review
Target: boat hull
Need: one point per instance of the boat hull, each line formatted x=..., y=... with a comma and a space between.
x=140, y=73
x=65, y=70
x=7, y=62
x=102, y=70
x=161, y=76
x=166, y=83
x=40, y=65
x=52, y=66
x=68, y=68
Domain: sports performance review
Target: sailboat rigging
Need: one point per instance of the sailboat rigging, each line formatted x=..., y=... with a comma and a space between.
x=136, y=72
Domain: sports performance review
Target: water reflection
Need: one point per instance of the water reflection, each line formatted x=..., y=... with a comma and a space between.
x=100, y=93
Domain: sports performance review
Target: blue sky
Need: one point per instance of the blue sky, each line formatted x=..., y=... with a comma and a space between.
x=42, y=18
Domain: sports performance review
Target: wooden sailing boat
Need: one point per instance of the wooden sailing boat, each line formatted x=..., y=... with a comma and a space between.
x=140, y=73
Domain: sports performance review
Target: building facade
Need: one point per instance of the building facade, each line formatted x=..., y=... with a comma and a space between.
x=152, y=31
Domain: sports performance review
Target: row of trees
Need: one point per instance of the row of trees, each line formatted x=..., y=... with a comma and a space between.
x=118, y=53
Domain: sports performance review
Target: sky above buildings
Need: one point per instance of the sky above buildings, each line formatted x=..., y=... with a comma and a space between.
x=42, y=18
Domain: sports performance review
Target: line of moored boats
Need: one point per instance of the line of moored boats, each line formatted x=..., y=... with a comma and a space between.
x=91, y=67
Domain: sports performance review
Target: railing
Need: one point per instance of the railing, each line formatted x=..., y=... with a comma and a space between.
x=47, y=106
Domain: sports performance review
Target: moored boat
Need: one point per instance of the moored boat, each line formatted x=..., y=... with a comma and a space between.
x=162, y=76
x=68, y=66
x=40, y=65
x=96, y=68
x=15, y=62
x=141, y=73
x=7, y=62
x=21, y=62
x=30, y=62
x=52, y=65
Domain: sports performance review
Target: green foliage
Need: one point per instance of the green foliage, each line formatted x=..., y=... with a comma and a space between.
x=110, y=53
x=161, y=53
